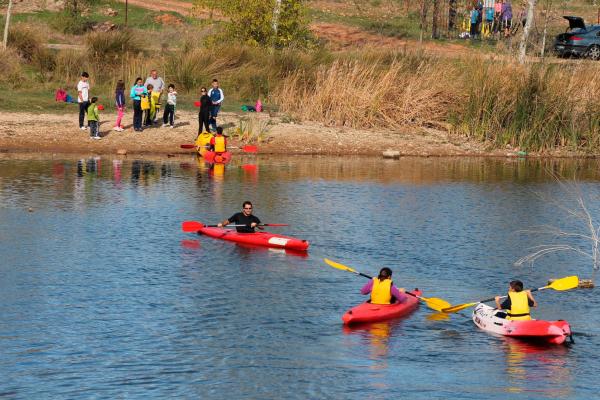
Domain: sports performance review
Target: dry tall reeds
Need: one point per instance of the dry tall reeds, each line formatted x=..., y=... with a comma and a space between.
x=12, y=73
x=366, y=95
x=536, y=107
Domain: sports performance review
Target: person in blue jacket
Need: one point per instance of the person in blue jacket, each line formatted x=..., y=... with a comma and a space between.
x=216, y=98
x=137, y=91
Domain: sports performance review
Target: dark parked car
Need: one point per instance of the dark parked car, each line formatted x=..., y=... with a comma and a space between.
x=579, y=40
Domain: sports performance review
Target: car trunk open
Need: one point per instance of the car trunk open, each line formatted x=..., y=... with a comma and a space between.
x=575, y=22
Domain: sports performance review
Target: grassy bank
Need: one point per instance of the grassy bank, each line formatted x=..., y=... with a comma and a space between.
x=537, y=107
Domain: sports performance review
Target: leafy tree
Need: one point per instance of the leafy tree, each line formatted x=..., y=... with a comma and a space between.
x=278, y=23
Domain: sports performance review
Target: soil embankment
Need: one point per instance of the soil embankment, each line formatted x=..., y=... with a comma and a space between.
x=59, y=133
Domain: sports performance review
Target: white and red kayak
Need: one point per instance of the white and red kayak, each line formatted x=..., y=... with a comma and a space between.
x=551, y=332
x=267, y=239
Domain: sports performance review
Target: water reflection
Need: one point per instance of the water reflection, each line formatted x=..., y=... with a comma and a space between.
x=120, y=303
x=377, y=335
x=533, y=367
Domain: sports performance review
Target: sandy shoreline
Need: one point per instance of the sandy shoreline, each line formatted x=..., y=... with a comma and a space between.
x=48, y=133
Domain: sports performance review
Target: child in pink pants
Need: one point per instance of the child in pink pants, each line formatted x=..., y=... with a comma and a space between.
x=120, y=103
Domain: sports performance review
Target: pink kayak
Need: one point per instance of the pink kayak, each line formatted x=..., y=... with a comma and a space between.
x=550, y=332
x=367, y=312
x=267, y=239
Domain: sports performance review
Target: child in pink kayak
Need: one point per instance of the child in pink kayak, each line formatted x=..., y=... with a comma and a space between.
x=382, y=289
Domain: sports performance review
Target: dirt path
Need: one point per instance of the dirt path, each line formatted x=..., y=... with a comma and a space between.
x=21, y=132
x=181, y=7
x=342, y=36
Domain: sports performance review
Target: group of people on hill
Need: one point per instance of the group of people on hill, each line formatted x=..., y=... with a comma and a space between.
x=490, y=17
x=147, y=97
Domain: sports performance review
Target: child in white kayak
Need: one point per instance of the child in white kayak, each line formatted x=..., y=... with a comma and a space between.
x=382, y=289
x=517, y=303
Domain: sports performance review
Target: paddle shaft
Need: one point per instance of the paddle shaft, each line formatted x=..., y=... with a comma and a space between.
x=503, y=297
x=195, y=226
x=236, y=225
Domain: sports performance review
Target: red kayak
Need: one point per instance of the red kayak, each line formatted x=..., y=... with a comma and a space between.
x=267, y=239
x=550, y=332
x=220, y=158
x=367, y=312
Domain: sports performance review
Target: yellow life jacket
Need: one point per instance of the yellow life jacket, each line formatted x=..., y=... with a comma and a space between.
x=381, y=292
x=145, y=103
x=156, y=99
x=519, y=306
x=219, y=144
x=203, y=140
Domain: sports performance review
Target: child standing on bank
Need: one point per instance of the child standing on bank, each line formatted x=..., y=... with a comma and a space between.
x=169, y=114
x=120, y=103
x=93, y=117
x=148, y=112
x=83, y=92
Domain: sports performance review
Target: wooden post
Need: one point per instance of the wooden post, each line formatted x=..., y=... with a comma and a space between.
x=126, y=7
x=5, y=41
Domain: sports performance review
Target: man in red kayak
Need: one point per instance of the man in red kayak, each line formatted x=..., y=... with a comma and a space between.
x=244, y=218
x=382, y=289
x=517, y=303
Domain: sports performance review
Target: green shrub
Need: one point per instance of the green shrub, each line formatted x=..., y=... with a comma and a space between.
x=44, y=60
x=69, y=65
x=69, y=23
x=25, y=40
x=110, y=47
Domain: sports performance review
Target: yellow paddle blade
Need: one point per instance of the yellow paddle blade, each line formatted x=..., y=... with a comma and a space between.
x=338, y=265
x=435, y=304
x=459, y=307
x=569, y=282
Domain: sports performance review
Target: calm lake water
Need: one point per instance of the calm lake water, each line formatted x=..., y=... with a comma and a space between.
x=103, y=296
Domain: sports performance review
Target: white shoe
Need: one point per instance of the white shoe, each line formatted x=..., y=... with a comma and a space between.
x=83, y=128
x=164, y=125
x=97, y=137
x=172, y=126
x=116, y=128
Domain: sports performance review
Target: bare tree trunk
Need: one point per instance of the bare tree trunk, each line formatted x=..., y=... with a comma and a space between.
x=423, y=21
x=451, y=15
x=5, y=41
x=435, y=19
x=276, y=12
x=526, y=30
x=548, y=8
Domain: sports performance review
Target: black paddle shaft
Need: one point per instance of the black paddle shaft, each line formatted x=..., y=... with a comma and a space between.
x=494, y=298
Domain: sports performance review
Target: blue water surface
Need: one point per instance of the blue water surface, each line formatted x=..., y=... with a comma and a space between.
x=103, y=296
